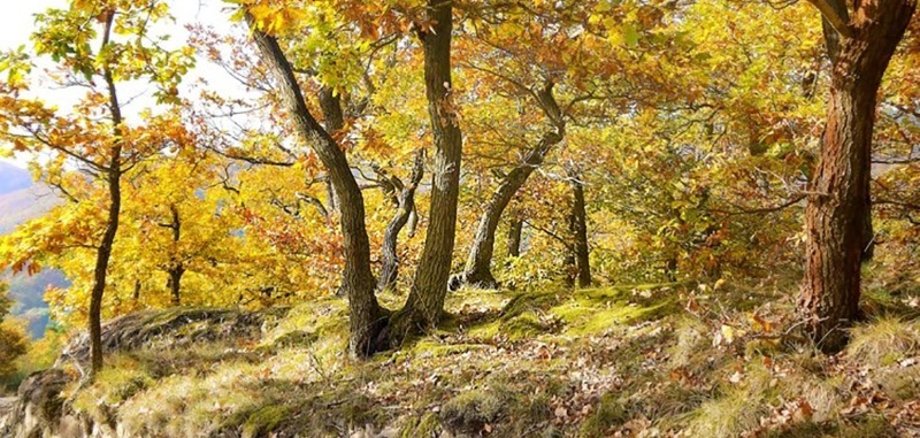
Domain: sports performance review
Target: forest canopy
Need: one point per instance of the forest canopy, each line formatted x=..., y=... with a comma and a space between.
x=393, y=155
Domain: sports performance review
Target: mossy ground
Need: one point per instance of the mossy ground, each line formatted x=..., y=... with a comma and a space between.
x=661, y=359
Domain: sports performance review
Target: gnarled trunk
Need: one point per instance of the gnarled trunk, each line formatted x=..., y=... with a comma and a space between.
x=838, y=206
x=404, y=198
x=366, y=317
x=478, y=269
x=426, y=299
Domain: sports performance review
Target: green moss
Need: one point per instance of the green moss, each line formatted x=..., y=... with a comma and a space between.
x=590, y=316
x=264, y=420
x=428, y=426
x=470, y=411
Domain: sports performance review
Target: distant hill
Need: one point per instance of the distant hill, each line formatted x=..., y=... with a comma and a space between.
x=20, y=201
x=13, y=178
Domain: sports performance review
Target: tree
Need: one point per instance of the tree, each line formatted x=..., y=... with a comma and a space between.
x=365, y=314
x=12, y=338
x=426, y=298
x=837, y=225
x=478, y=269
x=105, y=149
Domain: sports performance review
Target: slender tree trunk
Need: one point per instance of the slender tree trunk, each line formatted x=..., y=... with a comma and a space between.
x=366, y=318
x=176, y=267
x=113, y=179
x=101, y=270
x=405, y=205
x=515, y=229
x=580, y=231
x=478, y=270
x=426, y=299
x=837, y=210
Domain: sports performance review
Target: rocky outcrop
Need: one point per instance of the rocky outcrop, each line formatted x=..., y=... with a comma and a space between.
x=40, y=408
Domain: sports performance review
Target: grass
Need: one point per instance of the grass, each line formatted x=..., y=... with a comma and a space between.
x=592, y=362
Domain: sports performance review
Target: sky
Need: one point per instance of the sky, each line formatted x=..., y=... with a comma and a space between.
x=17, y=23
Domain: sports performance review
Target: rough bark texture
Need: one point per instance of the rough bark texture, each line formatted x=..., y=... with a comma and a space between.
x=403, y=197
x=838, y=206
x=426, y=299
x=366, y=317
x=478, y=269
x=113, y=178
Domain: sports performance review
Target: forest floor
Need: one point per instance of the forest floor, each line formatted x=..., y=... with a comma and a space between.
x=637, y=360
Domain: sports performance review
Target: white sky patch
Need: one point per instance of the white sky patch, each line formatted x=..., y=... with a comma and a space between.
x=17, y=22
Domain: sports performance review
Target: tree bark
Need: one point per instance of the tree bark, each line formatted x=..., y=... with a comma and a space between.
x=838, y=206
x=366, y=317
x=478, y=269
x=426, y=298
x=404, y=199
x=176, y=267
x=113, y=178
x=515, y=229
x=580, y=230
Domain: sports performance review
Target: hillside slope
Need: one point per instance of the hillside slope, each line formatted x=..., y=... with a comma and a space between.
x=635, y=360
x=20, y=201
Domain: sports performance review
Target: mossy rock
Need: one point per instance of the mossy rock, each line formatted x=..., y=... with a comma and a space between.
x=470, y=411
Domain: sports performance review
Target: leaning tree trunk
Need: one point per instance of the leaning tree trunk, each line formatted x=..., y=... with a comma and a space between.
x=366, y=318
x=579, y=224
x=478, y=269
x=838, y=204
x=404, y=197
x=426, y=298
x=113, y=178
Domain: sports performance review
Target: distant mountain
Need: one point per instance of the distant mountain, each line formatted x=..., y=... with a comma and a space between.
x=20, y=201
x=13, y=178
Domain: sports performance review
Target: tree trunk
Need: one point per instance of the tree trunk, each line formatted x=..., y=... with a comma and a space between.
x=515, y=229
x=405, y=204
x=838, y=206
x=579, y=224
x=426, y=299
x=176, y=267
x=104, y=253
x=101, y=269
x=478, y=269
x=366, y=317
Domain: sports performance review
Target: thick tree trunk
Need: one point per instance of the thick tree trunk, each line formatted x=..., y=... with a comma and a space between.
x=579, y=223
x=113, y=178
x=838, y=206
x=404, y=197
x=366, y=318
x=478, y=269
x=426, y=299
x=515, y=230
